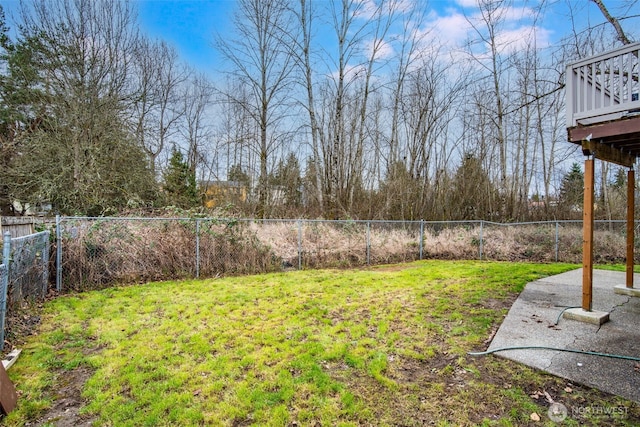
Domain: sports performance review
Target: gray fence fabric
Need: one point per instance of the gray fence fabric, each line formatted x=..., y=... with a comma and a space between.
x=98, y=252
x=24, y=273
x=4, y=283
x=29, y=272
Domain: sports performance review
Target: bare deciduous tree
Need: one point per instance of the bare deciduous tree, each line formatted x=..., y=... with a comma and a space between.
x=613, y=21
x=303, y=54
x=262, y=61
x=195, y=127
x=159, y=105
x=487, y=31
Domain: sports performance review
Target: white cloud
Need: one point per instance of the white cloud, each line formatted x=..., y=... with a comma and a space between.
x=454, y=29
x=506, y=15
x=467, y=3
x=385, y=49
x=351, y=72
x=451, y=30
x=366, y=9
x=518, y=38
x=405, y=6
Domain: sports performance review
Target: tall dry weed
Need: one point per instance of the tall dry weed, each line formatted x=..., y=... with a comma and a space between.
x=97, y=253
x=451, y=243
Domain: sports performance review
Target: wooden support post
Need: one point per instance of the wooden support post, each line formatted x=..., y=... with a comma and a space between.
x=587, y=235
x=631, y=191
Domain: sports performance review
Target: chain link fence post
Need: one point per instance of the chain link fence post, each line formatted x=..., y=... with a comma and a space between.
x=6, y=260
x=421, y=238
x=299, y=245
x=58, y=255
x=197, y=248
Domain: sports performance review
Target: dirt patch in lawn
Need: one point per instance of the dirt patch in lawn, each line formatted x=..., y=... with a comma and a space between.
x=390, y=267
x=470, y=391
x=466, y=390
x=65, y=410
x=21, y=322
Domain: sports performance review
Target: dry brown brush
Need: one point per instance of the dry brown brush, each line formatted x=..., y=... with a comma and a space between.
x=97, y=253
x=100, y=252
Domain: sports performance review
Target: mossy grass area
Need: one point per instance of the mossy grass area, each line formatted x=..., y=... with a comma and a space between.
x=380, y=346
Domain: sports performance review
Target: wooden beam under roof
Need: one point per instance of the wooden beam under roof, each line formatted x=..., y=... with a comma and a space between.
x=622, y=135
x=608, y=153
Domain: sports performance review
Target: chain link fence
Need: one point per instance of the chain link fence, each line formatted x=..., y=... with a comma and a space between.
x=29, y=271
x=24, y=275
x=4, y=283
x=93, y=253
x=97, y=252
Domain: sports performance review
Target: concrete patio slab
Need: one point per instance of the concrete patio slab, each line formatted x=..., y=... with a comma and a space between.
x=536, y=320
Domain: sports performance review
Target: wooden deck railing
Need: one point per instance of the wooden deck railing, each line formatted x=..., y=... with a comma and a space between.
x=603, y=87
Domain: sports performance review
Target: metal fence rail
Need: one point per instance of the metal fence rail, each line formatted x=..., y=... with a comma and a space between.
x=97, y=252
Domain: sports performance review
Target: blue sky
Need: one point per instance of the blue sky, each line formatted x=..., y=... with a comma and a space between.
x=190, y=25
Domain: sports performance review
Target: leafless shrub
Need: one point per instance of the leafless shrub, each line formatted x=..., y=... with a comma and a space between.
x=281, y=237
x=452, y=243
x=393, y=244
x=102, y=252
x=327, y=244
x=519, y=243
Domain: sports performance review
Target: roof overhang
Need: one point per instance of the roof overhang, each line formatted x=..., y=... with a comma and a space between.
x=615, y=141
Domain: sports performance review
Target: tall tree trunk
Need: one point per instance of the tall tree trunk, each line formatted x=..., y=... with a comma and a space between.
x=305, y=27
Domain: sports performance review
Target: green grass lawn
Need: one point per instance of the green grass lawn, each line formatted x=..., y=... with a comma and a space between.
x=381, y=346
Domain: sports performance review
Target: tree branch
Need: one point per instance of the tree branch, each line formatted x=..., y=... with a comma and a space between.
x=613, y=21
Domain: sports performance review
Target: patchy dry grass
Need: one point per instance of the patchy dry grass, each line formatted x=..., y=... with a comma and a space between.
x=381, y=346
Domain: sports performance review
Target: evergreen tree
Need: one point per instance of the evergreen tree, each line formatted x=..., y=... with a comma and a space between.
x=237, y=174
x=310, y=196
x=619, y=180
x=180, y=182
x=21, y=106
x=63, y=129
x=473, y=195
x=571, y=191
x=287, y=178
x=402, y=193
